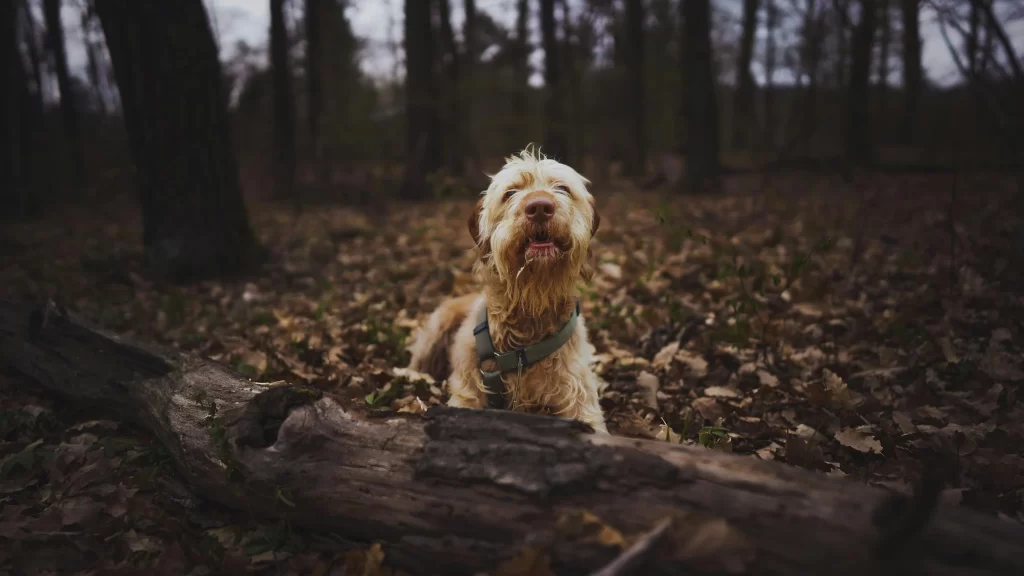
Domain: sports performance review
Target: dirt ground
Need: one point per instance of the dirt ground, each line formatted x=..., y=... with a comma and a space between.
x=857, y=330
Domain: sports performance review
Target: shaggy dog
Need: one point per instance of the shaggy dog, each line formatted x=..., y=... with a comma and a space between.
x=532, y=228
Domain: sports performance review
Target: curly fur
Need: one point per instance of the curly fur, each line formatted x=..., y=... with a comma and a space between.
x=527, y=297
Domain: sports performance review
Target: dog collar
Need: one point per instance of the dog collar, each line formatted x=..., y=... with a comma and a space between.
x=517, y=359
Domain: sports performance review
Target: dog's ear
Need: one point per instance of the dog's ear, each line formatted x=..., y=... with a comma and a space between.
x=474, y=221
x=596, y=222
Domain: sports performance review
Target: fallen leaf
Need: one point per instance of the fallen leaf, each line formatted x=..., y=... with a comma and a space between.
x=79, y=510
x=859, y=439
x=902, y=419
x=721, y=392
x=648, y=384
x=839, y=392
x=529, y=561
x=767, y=379
x=664, y=356
x=708, y=408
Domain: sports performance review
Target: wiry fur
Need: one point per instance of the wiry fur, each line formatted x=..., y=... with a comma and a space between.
x=527, y=299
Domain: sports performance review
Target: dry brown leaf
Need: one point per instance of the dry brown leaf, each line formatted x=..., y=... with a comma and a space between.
x=860, y=439
x=664, y=356
x=709, y=408
x=721, y=392
x=903, y=420
x=529, y=561
x=838, y=391
x=648, y=384
x=716, y=545
x=580, y=525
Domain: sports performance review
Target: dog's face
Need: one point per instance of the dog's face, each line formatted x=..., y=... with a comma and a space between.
x=534, y=223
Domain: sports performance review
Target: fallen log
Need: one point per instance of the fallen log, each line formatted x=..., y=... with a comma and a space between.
x=462, y=491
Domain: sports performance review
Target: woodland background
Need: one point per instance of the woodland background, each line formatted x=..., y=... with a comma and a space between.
x=810, y=250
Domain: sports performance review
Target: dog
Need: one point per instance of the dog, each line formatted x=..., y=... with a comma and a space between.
x=521, y=343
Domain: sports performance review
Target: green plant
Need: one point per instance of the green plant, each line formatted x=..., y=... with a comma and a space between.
x=712, y=436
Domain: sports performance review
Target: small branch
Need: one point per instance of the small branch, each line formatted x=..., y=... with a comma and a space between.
x=632, y=558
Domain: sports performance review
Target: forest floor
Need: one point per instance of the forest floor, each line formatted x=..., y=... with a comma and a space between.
x=857, y=331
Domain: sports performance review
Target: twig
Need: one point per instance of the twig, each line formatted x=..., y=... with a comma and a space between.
x=633, y=557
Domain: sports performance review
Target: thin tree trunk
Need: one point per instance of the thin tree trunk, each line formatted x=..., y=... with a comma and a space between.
x=572, y=56
x=743, y=103
x=522, y=70
x=912, y=72
x=971, y=41
x=637, y=87
x=472, y=58
x=858, y=129
x=700, y=107
x=13, y=185
x=68, y=104
x=175, y=110
x=459, y=491
x=883, y=61
x=92, y=53
x=284, y=109
x=453, y=139
x=771, y=23
x=314, y=87
x=423, y=138
x=556, y=141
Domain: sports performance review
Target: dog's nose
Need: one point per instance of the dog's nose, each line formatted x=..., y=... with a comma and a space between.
x=540, y=210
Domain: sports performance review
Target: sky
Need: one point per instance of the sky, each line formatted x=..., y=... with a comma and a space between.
x=379, y=23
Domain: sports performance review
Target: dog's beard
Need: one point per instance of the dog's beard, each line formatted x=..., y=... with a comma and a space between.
x=536, y=268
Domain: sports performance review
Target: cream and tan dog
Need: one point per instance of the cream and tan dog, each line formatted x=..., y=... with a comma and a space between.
x=532, y=228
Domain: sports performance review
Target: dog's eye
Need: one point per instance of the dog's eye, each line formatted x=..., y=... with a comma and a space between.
x=561, y=188
x=510, y=193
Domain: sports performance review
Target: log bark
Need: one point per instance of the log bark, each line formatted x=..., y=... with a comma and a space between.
x=457, y=491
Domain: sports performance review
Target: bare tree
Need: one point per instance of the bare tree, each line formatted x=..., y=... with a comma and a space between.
x=858, y=118
x=453, y=139
x=522, y=63
x=423, y=136
x=700, y=108
x=175, y=111
x=556, y=140
x=637, y=86
x=912, y=72
x=313, y=21
x=284, y=108
x=743, y=103
x=885, y=29
x=68, y=104
x=470, y=34
x=771, y=24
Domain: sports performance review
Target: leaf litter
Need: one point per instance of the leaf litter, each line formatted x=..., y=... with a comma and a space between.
x=794, y=325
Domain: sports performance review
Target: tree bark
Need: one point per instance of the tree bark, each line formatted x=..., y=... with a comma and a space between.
x=743, y=103
x=556, y=139
x=771, y=22
x=522, y=69
x=423, y=124
x=284, y=109
x=13, y=184
x=313, y=21
x=454, y=138
x=912, y=72
x=68, y=104
x=470, y=33
x=458, y=491
x=883, y=59
x=858, y=128
x=175, y=111
x=637, y=87
x=700, y=106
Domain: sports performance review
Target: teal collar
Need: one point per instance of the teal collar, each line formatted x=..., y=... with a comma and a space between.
x=517, y=359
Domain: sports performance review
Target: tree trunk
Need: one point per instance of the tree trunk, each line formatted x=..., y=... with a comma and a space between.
x=700, y=107
x=556, y=140
x=68, y=104
x=883, y=60
x=13, y=184
x=453, y=139
x=858, y=129
x=92, y=53
x=423, y=136
x=771, y=23
x=522, y=71
x=743, y=103
x=912, y=72
x=458, y=491
x=313, y=21
x=284, y=108
x=637, y=87
x=472, y=58
x=165, y=60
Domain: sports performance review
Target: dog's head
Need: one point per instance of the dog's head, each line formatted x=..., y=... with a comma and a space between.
x=533, y=226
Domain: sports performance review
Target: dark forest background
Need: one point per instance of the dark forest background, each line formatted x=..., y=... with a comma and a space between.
x=659, y=91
